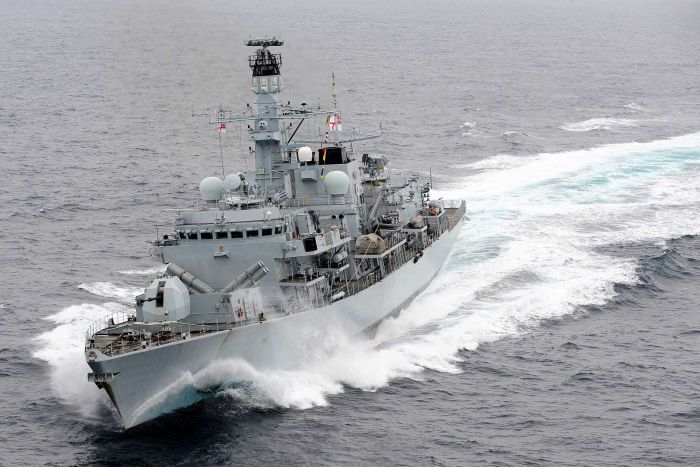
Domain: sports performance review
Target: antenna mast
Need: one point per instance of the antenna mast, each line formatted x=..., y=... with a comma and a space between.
x=335, y=101
x=221, y=129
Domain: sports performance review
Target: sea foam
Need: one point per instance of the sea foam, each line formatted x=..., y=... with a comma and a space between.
x=602, y=123
x=144, y=272
x=63, y=349
x=530, y=251
x=123, y=293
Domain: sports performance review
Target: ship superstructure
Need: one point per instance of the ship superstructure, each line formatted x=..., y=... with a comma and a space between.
x=315, y=236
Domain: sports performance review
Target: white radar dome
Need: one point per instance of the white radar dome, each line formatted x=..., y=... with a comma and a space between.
x=304, y=154
x=211, y=188
x=336, y=183
x=232, y=182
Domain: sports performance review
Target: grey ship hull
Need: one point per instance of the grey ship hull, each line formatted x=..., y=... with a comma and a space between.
x=157, y=380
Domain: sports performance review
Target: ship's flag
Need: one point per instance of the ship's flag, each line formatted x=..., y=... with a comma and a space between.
x=334, y=122
x=326, y=138
x=338, y=123
x=221, y=128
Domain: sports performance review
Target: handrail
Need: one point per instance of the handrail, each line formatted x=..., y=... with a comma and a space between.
x=453, y=219
x=403, y=255
x=104, y=322
x=452, y=203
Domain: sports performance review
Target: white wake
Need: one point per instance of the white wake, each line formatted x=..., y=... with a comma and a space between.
x=530, y=251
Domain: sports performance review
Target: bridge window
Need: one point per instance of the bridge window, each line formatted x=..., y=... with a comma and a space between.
x=182, y=235
x=236, y=234
x=192, y=235
x=267, y=231
x=206, y=235
x=278, y=230
x=252, y=233
x=220, y=235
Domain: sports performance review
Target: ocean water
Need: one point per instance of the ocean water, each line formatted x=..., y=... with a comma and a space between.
x=563, y=330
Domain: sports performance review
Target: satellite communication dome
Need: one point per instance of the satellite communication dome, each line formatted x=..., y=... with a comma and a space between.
x=211, y=188
x=336, y=183
x=304, y=154
x=232, y=182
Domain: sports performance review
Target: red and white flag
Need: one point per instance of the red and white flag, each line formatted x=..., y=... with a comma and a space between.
x=221, y=128
x=334, y=122
x=339, y=123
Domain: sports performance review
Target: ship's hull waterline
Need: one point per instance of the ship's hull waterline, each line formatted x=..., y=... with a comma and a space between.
x=151, y=382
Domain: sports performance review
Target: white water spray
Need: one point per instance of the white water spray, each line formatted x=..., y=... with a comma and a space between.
x=531, y=251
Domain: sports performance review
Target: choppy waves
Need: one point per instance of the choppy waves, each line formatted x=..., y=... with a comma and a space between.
x=144, y=272
x=636, y=107
x=533, y=250
x=601, y=123
x=121, y=292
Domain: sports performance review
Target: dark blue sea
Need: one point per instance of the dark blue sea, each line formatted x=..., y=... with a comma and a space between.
x=563, y=330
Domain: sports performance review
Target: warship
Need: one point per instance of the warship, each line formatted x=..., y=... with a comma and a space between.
x=315, y=240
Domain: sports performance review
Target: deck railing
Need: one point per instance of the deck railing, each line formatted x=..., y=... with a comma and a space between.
x=397, y=259
x=454, y=218
x=400, y=257
x=113, y=319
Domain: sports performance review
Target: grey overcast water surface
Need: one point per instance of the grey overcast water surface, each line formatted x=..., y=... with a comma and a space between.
x=565, y=328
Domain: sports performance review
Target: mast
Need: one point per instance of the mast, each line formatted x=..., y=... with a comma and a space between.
x=267, y=132
x=335, y=95
x=336, y=115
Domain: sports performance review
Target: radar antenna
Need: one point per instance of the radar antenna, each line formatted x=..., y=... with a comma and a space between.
x=264, y=42
x=264, y=63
